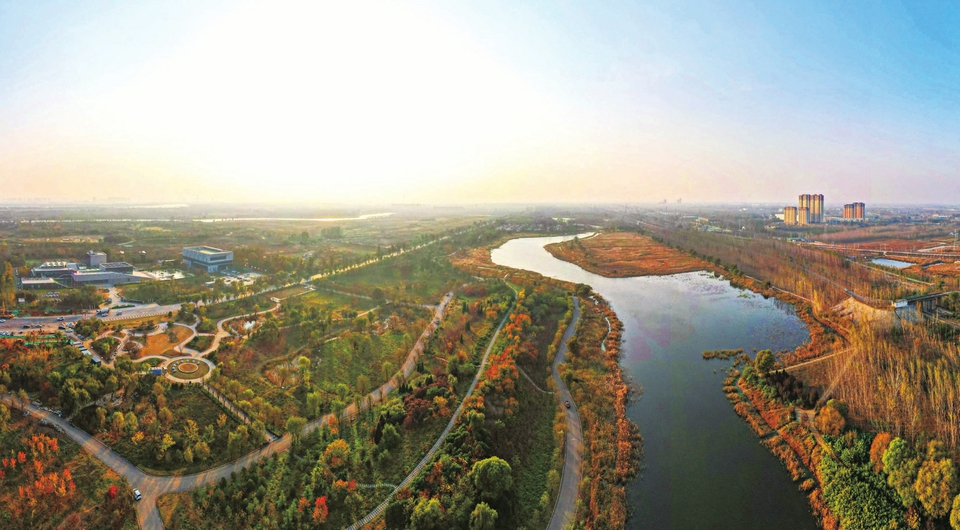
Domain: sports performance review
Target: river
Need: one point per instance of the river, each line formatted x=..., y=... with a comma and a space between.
x=703, y=467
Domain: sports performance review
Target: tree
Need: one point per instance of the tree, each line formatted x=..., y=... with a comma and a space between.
x=901, y=466
x=165, y=417
x=303, y=366
x=118, y=423
x=4, y=417
x=295, y=425
x=955, y=514
x=764, y=362
x=877, y=448
x=112, y=492
x=101, y=417
x=188, y=455
x=390, y=437
x=314, y=401
x=492, y=476
x=427, y=515
x=936, y=486
x=131, y=422
x=829, y=421
x=387, y=370
x=483, y=517
x=363, y=384
x=201, y=450
x=336, y=454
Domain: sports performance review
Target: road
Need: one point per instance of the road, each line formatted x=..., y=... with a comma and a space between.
x=151, y=487
x=565, y=510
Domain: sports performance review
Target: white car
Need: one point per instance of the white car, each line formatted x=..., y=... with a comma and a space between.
x=137, y=495
x=59, y=319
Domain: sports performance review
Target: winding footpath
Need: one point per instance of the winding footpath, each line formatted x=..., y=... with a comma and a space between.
x=565, y=510
x=152, y=487
x=378, y=511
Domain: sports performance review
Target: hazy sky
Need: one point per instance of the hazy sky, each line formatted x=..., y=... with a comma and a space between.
x=480, y=101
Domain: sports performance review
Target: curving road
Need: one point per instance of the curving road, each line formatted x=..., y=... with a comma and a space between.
x=565, y=510
x=151, y=487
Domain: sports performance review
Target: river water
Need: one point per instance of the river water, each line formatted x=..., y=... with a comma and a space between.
x=703, y=467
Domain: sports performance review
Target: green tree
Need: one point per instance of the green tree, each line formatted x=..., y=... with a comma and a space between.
x=427, y=515
x=937, y=486
x=295, y=425
x=390, y=437
x=131, y=422
x=303, y=366
x=314, y=402
x=764, y=362
x=901, y=466
x=118, y=423
x=492, y=476
x=483, y=517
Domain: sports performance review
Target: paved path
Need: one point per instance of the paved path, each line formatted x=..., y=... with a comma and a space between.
x=565, y=510
x=151, y=487
x=378, y=511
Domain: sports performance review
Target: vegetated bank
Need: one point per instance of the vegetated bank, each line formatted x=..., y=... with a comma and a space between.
x=611, y=441
x=834, y=423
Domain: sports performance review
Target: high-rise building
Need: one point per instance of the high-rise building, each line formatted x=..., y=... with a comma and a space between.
x=790, y=215
x=814, y=205
x=803, y=215
x=856, y=211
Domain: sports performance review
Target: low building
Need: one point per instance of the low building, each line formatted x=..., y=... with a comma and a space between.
x=101, y=278
x=39, y=283
x=55, y=269
x=208, y=258
x=117, y=266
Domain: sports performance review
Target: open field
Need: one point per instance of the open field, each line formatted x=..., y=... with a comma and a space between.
x=619, y=254
x=161, y=342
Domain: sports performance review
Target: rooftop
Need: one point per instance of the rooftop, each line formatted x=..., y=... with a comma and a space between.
x=206, y=250
x=115, y=265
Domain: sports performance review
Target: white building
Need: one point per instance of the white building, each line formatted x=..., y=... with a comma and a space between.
x=208, y=258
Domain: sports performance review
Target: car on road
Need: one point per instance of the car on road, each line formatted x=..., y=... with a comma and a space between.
x=26, y=326
x=566, y=404
x=59, y=319
x=61, y=326
x=3, y=321
x=137, y=495
x=119, y=313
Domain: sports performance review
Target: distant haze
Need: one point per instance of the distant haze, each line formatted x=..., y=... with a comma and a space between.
x=468, y=102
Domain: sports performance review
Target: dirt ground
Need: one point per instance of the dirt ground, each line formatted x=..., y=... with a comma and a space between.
x=620, y=254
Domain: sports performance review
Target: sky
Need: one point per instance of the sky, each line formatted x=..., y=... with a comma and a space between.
x=479, y=102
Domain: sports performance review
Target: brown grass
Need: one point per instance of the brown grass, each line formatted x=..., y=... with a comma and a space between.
x=619, y=254
x=159, y=343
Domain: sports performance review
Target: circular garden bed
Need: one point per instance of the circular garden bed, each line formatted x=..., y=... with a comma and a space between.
x=188, y=369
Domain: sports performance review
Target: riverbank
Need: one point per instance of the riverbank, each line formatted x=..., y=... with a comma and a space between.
x=612, y=442
x=623, y=254
x=627, y=254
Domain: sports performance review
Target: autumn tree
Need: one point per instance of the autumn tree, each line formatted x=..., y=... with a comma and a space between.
x=955, y=514
x=829, y=421
x=877, y=448
x=936, y=486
